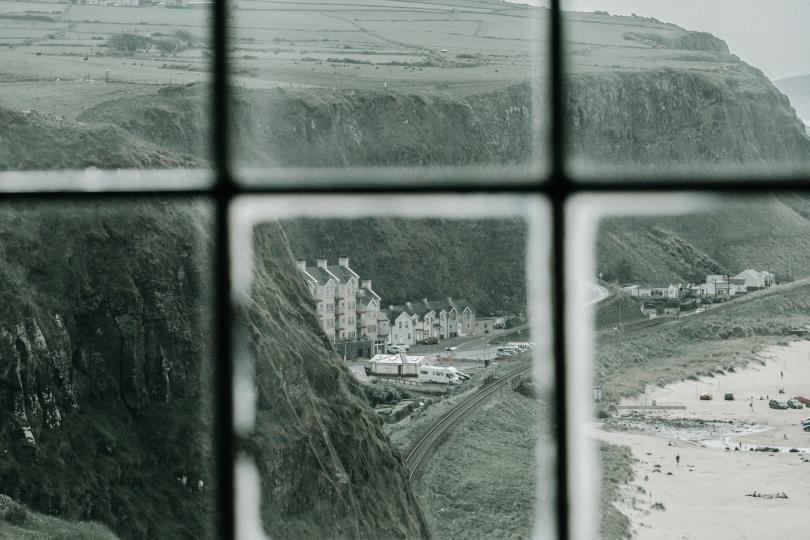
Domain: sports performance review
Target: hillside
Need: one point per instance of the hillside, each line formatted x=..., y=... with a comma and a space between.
x=643, y=92
x=104, y=378
x=723, y=338
x=768, y=233
x=327, y=468
x=482, y=261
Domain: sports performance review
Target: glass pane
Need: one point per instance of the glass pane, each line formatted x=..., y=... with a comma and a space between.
x=684, y=88
x=701, y=363
x=104, y=85
x=105, y=405
x=330, y=85
x=399, y=361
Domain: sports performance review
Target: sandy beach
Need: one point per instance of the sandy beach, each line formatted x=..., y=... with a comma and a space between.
x=705, y=495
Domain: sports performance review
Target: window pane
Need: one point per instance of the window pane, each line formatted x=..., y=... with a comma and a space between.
x=105, y=406
x=332, y=86
x=443, y=311
x=104, y=85
x=700, y=361
x=687, y=88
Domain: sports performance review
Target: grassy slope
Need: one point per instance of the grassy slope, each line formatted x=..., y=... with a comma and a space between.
x=41, y=527
x=481, y=482
x=722, y=338
x=735, y=234
x=617, y=469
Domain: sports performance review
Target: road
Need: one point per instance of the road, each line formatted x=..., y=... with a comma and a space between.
x=597, y=293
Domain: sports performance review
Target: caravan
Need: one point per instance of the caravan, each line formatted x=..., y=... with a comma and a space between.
x=441, y=375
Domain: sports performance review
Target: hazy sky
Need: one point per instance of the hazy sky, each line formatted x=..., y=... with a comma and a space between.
x=773, y=35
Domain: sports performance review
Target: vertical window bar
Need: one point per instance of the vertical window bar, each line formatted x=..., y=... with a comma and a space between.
x=223, y=192
x=559, y=189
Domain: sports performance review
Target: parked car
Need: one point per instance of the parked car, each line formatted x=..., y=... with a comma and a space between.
x=450, y=348
x=777, y=404
x=398, y=348
x=806, y=427
x=705, y=396
x=795, y=404
x=803, y=400
x=432, y=340
x=728, y=396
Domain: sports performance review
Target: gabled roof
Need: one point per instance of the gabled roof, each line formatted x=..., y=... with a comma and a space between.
x=369, y=293
x=342, y=274
x=438, y=305
x=461, y=305
x=320, y=275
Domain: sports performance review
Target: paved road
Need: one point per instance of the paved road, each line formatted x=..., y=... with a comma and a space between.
x=597, y=293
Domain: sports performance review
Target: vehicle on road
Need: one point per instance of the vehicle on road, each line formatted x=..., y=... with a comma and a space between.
x=728, y=396
x=705, y=396
x=432, y=340
x=450, y=348
x=438, y=374
x=777, y=404
x=795, y=404
x=398, y=348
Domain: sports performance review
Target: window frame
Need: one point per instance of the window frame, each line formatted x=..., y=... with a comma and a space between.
x=554, y=184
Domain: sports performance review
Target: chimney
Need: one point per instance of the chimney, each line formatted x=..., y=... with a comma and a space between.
x=450, y=300
x=343, y=261
x=424, y=300
x=408, y=305
x=322, y=263
x=302, y=265
x=390, y=307
x=365, y=284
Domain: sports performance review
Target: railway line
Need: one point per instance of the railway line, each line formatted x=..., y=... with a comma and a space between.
x=436, y=434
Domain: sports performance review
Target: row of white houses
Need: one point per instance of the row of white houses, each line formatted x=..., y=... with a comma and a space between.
x=715, y=285
x=349, y=310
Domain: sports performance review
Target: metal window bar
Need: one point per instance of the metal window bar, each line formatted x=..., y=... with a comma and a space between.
x=557, y=188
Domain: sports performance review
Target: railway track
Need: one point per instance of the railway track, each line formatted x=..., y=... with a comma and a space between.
x=635, y=329
x=436, y=433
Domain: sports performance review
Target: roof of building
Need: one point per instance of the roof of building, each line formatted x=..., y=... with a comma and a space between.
x=438, y=305
x=319, y=275
x=366, y=292
x=735, y=281
x=396, y=359
x=461, y=305
x=342, y=273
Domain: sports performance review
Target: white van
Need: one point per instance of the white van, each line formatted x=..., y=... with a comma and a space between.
x=440, y=375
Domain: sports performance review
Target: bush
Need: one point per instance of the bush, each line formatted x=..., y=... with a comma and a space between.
x=11, y=511
x=128, y=42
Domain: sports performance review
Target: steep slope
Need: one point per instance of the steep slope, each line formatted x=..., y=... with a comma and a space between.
x=103, y=371
x=483, y=261
x=764, y=233
x=327, y=468
x=34, y=141
x=643, y=92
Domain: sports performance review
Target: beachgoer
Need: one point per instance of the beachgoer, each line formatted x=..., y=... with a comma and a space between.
x=782, y=374
x=678, y=460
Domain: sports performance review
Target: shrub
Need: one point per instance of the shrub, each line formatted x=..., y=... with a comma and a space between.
x=128, y=42
x=11, y=511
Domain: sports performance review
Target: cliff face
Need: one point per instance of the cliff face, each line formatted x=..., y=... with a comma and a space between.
x=670, y=117
x=327, y=468
x=103, y=371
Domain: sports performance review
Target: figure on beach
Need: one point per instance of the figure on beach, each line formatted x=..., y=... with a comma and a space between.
x=678, y=460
